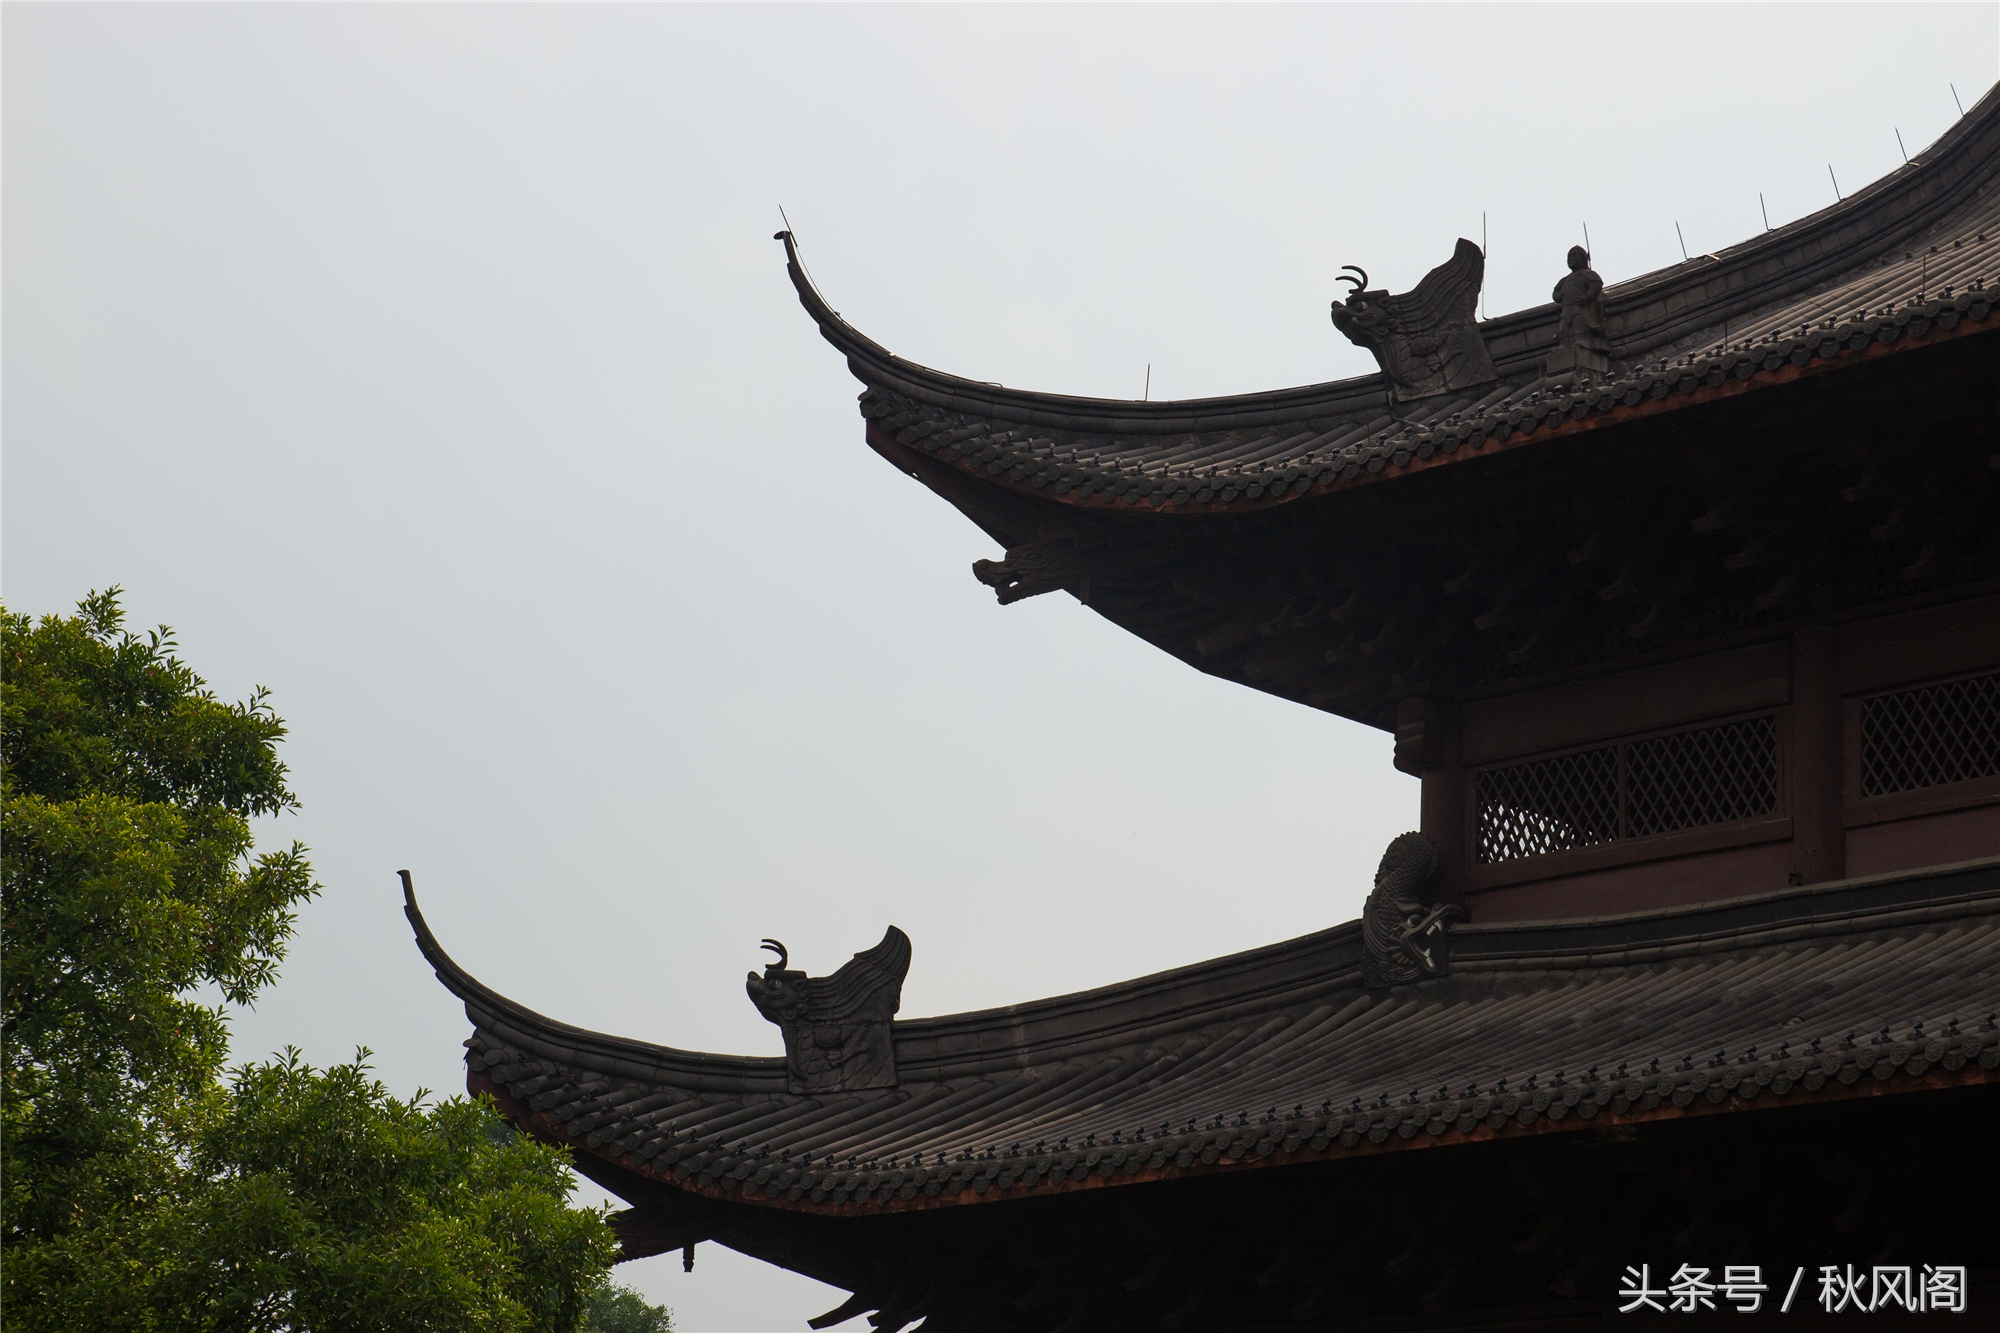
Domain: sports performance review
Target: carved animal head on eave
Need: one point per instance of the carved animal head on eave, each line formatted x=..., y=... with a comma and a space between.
x=836, y=1028
x=1425, y=339
x=781, y=994
x=1364, y=317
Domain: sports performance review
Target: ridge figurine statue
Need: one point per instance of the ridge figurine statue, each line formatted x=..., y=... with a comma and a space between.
x=1425, y=340
x=1402, y=932
x=837, y=1033
x=1581, y=343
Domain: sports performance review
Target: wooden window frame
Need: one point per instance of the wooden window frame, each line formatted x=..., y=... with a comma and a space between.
x=1774, y=827
x=1857, y=811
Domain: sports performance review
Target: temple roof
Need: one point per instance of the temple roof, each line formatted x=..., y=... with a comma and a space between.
x=1794, y=430
x=1909, y=260
x=1281, y=1054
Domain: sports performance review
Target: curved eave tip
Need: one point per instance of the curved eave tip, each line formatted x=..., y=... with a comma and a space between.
x=455, y=978
x=448, y=971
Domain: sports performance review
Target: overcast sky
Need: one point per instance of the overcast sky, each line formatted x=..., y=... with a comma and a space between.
x=435, y=367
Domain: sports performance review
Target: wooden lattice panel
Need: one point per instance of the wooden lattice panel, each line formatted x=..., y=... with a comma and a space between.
x=1931, y=736
x=1548, y=805
x=1711, y=776
x=1634, y=789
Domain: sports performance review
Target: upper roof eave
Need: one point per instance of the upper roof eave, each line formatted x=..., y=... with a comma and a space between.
x=1661, y=308
x=1643, y=314
x=875, y=365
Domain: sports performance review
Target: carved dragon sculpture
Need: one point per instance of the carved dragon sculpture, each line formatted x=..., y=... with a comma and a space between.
x=1402, y=933
x=837, y=1028
x=1425, y=339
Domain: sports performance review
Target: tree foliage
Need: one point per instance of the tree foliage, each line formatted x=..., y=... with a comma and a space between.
x=141, y=1190
x=617, y=1309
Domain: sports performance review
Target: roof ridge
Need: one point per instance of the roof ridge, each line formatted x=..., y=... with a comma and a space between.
x=1678, y=301
x=1114, y=479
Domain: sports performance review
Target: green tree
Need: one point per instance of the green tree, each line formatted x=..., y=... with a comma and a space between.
x=619, y=1309
x=140, y=1190
x=330, y=1205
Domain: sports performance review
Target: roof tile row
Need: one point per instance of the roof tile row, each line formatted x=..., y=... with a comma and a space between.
x=1494, y=1044
x=1942, y=286
x=701, y=1152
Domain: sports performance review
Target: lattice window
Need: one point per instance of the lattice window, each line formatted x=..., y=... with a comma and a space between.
x=1930, y=736
x=1711, y=776
x=1634, y=789
x=1550, y=805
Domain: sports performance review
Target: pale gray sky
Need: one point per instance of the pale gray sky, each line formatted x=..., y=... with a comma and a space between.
x=435, y=367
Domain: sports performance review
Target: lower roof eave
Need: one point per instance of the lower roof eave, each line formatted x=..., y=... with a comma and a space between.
x=1810, y=994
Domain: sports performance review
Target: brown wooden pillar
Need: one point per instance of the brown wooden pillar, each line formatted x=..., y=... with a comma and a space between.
x=1427, y=747
x=1819, y=842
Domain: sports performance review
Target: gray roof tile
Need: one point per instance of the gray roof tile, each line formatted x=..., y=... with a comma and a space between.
x=1281, y=1051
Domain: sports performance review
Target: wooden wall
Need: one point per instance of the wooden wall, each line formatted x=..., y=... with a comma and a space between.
x=1813, y=682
